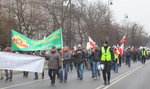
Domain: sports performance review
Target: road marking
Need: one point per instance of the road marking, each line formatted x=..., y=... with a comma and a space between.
x=122, y=78
x=119, y=77
x=23, y=84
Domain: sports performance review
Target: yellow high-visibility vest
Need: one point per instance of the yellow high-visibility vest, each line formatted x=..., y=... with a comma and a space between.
x=106, y=55
x=115, y=57
x=143, y=53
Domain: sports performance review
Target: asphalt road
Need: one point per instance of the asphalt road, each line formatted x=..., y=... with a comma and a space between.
x=136, y=77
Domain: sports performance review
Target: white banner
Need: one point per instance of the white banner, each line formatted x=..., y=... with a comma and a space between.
x=21, y=62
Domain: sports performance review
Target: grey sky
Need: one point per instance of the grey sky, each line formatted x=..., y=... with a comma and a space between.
x=137, y=10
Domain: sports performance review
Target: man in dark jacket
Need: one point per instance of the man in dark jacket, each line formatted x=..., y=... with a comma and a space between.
x=55, y=63
x=106, y=55
x=79, y=59
x=128, y=57
x=66, y=61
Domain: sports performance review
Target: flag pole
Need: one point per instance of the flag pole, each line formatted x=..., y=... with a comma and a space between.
x=62, y=67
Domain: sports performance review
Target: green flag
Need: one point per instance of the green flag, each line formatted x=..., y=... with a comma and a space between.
x=22, y=43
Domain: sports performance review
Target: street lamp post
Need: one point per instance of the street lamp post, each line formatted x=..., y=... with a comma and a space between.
x=109, y=3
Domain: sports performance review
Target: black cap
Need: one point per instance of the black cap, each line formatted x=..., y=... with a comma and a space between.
x=105, y=42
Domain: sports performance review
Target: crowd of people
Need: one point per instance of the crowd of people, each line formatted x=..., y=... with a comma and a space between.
x=61, y=61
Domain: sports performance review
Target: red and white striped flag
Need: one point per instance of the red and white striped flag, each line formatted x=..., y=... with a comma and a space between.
x=124, y=39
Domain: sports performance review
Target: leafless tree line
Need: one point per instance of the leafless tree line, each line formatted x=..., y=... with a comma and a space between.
x=77, y=18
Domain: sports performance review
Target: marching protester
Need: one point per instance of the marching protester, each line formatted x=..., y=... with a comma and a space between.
x=66, y=60
x=128, y=57
x=8, y=73
x=143, y=56
x=134, y=55
x=55, y=63
x=96, y=62
x=72, y=58
x=90, y=60
x=79, y=60
x=1, y=74
x=139, y=55
x=42, y=54
x=106, y=55
x=116, y=61
x=1, y=71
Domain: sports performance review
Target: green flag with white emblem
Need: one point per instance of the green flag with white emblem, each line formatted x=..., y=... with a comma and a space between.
x=22, y=43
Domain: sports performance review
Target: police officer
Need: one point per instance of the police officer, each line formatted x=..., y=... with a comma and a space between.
x=106, y=55
x=143, y=56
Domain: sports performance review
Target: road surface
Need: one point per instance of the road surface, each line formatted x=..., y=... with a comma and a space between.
x=136, y=77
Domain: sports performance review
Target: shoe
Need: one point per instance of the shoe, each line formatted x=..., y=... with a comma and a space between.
x=81, y=78
x=10, y=79
x=95, y=78
x=105, y=83
x=52, y=84
x=42, y=77
x=1, y=78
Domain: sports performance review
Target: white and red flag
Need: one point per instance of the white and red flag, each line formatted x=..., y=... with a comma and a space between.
x=91, y=42
x=121, y=49
x=124, y=39
x=75, y=47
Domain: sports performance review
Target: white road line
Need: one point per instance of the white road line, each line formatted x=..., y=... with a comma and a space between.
x=122, y=78
x=23, y=84
x=117, y=78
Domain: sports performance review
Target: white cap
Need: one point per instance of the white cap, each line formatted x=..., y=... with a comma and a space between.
x=79, y=45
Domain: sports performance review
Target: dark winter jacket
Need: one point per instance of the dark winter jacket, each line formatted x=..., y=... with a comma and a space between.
x=55, y=61
x=79, y=56
x=96, y=56
x=66, y=57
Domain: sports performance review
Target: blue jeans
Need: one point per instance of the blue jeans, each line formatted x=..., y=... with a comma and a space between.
x=71, y=65
x=63, y=73
x=128, y=62
x=96, y=72
x=116, y=67
x=91, y=66
x=79, y=68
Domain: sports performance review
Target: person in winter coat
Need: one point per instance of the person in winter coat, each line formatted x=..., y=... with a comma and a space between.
x=79, y=60
x=66, y=61
x=55, y=63
x=96, y=62
x=106, y=55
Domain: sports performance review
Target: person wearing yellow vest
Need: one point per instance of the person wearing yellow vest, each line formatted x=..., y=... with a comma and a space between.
x=116, y=61
x=106, y=56
x=144, y=56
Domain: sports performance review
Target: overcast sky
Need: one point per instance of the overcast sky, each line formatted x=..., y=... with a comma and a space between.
x=137, y=11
